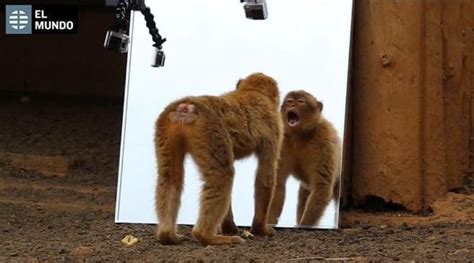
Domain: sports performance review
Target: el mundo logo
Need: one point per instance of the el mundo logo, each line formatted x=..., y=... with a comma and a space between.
x=18, y=19
x=41, y=19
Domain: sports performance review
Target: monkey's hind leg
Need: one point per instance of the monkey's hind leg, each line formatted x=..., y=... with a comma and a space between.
x=317, y=200
x=169, y=187
x=228, y=225
x=264, y=188
x=214, y=157
x=276, y=205
x=278, y=200
x=303, y=194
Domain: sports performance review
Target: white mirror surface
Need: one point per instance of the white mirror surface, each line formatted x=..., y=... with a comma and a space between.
x=304, y=44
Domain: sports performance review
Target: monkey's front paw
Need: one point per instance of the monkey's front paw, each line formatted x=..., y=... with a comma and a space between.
x=260, y=230
x=170, y=239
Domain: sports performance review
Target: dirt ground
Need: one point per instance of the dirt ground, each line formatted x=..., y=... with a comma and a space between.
x=72, y=217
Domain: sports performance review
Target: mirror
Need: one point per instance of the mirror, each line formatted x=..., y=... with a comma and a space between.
x=303, y=44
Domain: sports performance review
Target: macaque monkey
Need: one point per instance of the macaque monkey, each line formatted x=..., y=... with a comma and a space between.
x=215, y=131
x=311, y=152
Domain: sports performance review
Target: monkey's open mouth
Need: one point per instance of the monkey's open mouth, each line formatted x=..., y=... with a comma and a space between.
x=293, y=119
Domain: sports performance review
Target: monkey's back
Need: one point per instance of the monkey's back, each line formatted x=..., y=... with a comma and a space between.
x=248, y=118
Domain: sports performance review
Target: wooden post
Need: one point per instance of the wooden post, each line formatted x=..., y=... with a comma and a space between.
x=457, y=25
x=387, y=113
x=413, y=68
x=434, y=141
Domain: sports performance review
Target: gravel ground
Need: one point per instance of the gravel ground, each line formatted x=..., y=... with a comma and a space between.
x=72, y=217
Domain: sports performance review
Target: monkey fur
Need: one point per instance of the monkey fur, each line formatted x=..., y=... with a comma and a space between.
x=215, y=131
x=311, y=152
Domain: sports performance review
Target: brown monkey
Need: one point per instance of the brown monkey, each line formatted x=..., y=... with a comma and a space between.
x=215, y=131
x=311, y=152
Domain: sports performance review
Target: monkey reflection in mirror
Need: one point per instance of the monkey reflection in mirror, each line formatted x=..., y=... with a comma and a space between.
x=311, y=152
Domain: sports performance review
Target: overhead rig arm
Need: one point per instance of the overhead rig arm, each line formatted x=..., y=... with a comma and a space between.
x=117, y=38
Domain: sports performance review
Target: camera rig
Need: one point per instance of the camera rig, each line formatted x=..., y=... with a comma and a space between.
x=117, y=38
x=255, y=9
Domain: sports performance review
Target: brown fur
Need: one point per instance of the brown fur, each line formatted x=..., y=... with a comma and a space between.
x=311, y=152
x=215, y=131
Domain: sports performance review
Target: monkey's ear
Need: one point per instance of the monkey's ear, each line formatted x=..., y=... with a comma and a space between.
x=320, y=106
x=238, y=83
x=282, y=107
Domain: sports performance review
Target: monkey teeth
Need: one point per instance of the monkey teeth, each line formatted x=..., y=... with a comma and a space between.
x=293, y=123
x=293, y=119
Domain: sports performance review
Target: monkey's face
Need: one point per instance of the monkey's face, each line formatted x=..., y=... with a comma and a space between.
x=301, y=111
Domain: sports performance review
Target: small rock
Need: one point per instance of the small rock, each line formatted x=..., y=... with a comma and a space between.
x=365, y=227
x=350, y=231
x=80, y=252
x=246, y=234
x=129, y=240
x=383, y=227
x=13, y=254
x=405, y=226
x=425, y=213
x=461, y=251
x=209, y=247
